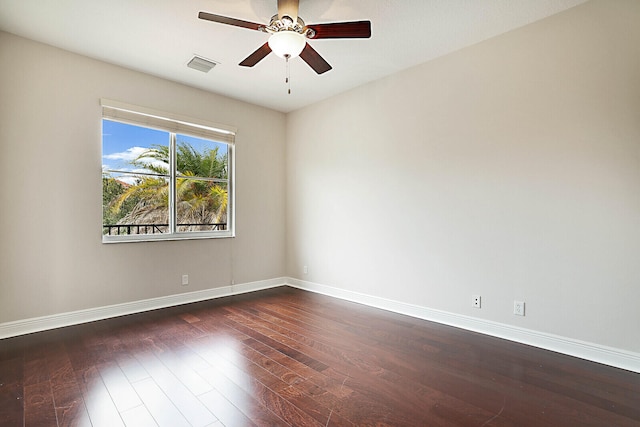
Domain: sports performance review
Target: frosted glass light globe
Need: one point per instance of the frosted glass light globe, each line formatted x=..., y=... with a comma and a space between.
x=287, y=43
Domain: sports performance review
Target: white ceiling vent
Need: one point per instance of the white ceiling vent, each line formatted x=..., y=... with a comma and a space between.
x=201, y=64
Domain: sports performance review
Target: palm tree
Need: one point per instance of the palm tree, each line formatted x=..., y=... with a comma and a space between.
x=200, y=202
x=201, y=189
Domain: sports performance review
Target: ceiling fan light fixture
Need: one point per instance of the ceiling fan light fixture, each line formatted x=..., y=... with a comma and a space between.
x=287, y=44
x=289, y=33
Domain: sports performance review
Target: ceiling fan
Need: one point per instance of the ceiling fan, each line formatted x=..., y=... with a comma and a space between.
x=289, y=35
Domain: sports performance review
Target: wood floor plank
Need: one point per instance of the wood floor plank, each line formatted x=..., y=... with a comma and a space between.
x=38, y=406
x=67, y=396
x=161, y=408
x=131, y=368
x=11, y=389
x=11, y=403
x=120, y=389
x=99, y=403
x=138, y=416
x=184, y=373
x=73, y=414
x=227, y=413
x=35, y=371
x=241, y=399
x=176, y=392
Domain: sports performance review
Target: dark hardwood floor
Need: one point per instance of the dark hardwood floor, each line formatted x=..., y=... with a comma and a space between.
x=285, y=357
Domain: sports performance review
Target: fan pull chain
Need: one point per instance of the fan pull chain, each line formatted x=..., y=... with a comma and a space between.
x=287, y=79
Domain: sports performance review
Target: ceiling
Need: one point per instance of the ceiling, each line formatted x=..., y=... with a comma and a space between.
x=159, y=37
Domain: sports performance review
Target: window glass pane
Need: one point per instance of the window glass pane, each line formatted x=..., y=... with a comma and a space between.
x=201, y=205
x=201, y=157
x=129, y=148
x=134, y=204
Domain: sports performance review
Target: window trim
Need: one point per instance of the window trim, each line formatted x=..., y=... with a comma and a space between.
x=176, y=124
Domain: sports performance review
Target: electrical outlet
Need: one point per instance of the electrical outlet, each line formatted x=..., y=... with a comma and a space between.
x=518, y=308
x=476, y=301
x=185, y=279
x=305, y=269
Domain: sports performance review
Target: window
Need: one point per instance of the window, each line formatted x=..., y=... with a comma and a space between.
x=164, y=177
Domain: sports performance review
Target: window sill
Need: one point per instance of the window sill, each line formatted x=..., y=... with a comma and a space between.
x=166, y=237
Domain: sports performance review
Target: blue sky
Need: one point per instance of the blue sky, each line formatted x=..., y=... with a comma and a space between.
x=122, y=143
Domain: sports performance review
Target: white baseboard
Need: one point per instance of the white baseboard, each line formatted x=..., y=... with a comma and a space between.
x=36, y=324
x=594, y=352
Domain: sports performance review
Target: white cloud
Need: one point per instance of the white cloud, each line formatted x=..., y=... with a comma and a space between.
x=128, y=156
x=131, y=180
x=133, y=153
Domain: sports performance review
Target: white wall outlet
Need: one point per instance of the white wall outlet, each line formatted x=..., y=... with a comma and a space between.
x=476, y=301
x=305, y=269
x=185, y=279
x=518, y=308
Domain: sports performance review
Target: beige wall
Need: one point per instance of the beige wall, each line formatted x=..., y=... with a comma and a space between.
x=510, y=169
x=52, y=259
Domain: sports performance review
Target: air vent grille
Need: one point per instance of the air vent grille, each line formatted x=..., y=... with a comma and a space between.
x=201, y=64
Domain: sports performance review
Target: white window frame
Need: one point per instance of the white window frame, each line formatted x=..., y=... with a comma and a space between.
x=176, y=124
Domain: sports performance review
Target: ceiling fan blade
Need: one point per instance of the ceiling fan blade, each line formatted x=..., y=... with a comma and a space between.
x=256, y=56
x=315, y=61
x=230, y=21
x=342, y=30
x=288, y=8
